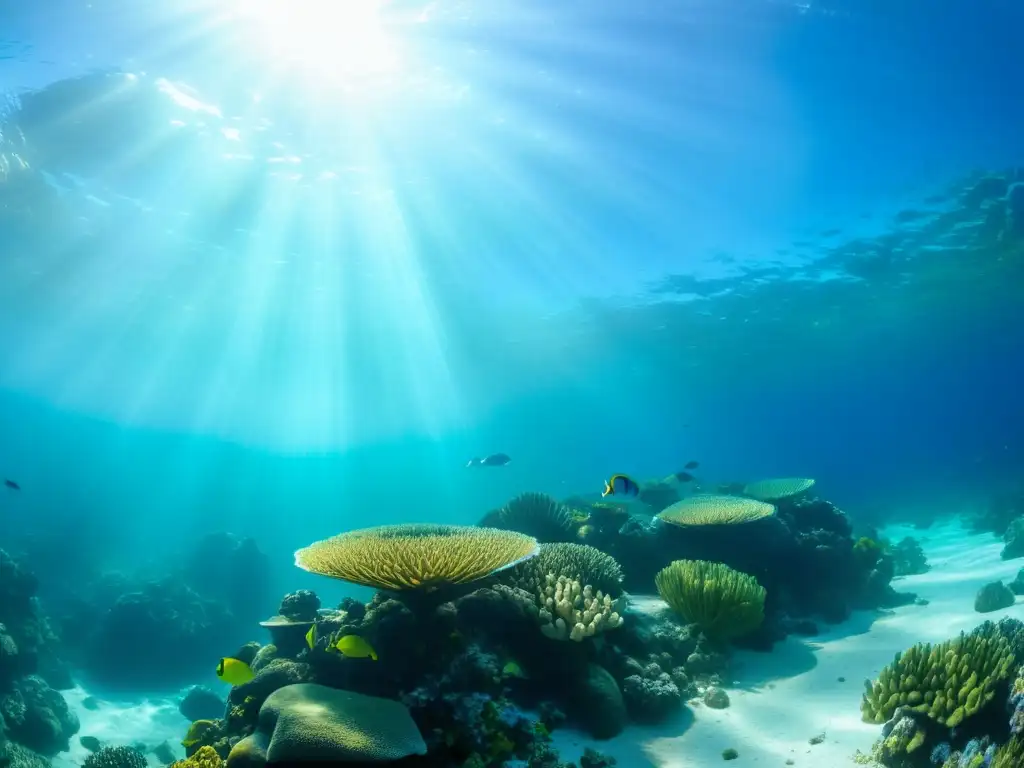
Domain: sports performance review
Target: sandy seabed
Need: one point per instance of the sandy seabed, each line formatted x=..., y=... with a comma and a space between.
x=802, y=689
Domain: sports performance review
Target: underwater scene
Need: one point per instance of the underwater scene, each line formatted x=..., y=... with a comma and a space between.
x=512, y=384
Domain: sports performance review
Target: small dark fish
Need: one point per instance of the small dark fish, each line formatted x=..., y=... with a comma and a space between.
x=831, y=232
x=692, y=465
x=12, y=485
x=494, y=460
x=620, y=485
x=684, y=477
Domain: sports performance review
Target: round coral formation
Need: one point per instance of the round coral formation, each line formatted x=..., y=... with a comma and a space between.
x=715, y=510
x=537, y=515
x=416, y=557
x=313, y=723
x=778, y=488
x=724, y=603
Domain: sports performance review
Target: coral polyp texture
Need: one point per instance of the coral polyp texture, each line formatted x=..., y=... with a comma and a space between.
x=948, y=682
x=577, y=589
x=416, y=556
x=779, y=488
x=579, y=562
x=724, y=603
x=715, y=510
x=305, y=723
x=537, y=515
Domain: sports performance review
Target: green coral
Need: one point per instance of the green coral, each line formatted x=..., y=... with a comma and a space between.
x=116, y=757
x=537, y=515
x=205, y=757
x=576, y=562
x=724, y=603
x=948, y=682
x=1010, y=755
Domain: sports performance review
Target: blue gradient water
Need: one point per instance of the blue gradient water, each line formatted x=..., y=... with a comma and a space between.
x=300, y=313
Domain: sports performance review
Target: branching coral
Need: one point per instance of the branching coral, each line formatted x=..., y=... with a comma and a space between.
x=574, y=612
x=579, y=562
x=575, y=588
x=116, y=757
x=948, y=682
x=724, y=603
x=416, y=557
x=205, y=757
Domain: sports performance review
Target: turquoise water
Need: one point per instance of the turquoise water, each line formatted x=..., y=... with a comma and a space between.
x=282, y=271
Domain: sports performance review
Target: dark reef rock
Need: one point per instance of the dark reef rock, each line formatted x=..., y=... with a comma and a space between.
x=1014, y=538
x=116, y=757
x=1017, y=585
x=38, y=717
x=600, y=707
x=200, y=703
x=908, y=557
x=163, y=620
x=233, y=571
x=993, y=597
x=300, y=606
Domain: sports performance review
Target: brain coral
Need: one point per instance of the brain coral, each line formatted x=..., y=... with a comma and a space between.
x=416, y=557
x=313, y=723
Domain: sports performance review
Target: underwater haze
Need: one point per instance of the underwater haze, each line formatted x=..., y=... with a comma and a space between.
x=274, y=271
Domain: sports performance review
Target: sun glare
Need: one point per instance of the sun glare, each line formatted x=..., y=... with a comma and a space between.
x=331, y=39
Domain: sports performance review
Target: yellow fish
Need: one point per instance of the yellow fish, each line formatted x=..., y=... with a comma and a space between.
x=311, y=636
x=234, y=671
x=355, y=647
x=621, y=485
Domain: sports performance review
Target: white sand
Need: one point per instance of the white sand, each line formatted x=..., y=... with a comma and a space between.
x=779, y=700
x=120, y=723
x=782, y=699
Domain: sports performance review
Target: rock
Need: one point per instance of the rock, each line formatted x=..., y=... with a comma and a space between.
x=38, y=717
x=1014, y=538
x=200, y=703
x=716, y=698
x=993, y=597
x=600, y=706
x=1017, y=585
x=301, y=605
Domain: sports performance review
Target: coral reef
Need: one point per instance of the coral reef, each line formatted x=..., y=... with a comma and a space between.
x=305, y=722
x=537, y=515
x=1014, y=538
x=200, y=703
x=946, y=705
x=35, y=722
x=163, y=620
x=724, y=603
x=908, y=557
x=799, y=548
x=993, y=596
x=211, y=596
x=416, y=557
x=116, y=757
x=777, y=489
x=230, y=570
x=948, y=682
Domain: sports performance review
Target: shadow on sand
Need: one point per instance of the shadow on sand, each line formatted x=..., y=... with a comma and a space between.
x=629, y=747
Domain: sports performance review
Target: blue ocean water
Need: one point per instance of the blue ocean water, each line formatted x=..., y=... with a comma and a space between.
x=281, y=271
